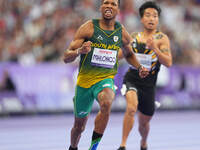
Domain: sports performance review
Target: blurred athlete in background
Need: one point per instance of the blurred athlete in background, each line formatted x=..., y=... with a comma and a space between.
x=152, y=48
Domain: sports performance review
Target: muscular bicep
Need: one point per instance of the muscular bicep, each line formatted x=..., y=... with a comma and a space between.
x=120, y=54
x=76, y=43
x=165, y=46
x=83, y=33
x=126, y=39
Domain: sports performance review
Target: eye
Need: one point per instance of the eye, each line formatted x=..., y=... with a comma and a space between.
x=114, y=4
x=147, y=15
x=155, y=15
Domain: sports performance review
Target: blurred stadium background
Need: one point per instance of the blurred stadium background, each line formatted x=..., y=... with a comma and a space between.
x=34, y=80
x=35, y=33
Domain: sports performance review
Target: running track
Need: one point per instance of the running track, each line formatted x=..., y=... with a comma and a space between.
x=169, y=131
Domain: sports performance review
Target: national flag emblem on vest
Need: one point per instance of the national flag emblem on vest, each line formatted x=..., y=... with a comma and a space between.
x=115, y=38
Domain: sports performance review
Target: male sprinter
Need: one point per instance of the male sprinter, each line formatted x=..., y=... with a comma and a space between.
x=97, y=42
x=152, y=48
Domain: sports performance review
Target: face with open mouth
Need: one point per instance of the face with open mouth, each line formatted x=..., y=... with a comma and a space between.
x=108, y=13
x=150, y=19
x=109, y=9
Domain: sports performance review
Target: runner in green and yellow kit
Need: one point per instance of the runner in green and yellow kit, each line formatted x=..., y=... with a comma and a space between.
x=98, y=42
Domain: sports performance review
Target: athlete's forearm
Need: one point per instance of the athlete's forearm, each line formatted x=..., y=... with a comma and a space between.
x=132, y=60
x=120, y=55
x=163, y=58
x=70, y=55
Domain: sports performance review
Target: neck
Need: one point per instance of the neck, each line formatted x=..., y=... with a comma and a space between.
x=149, y=32
x=107, y=24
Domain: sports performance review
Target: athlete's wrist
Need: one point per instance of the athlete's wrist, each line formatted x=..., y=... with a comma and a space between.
x=139, y=68
x=78, y=51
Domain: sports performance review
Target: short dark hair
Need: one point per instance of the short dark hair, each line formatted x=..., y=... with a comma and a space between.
x=149, y=4
x=118, y=2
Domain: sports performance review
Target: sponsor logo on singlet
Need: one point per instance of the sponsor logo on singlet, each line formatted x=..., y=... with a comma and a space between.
x=82, y=113
x=100, y=38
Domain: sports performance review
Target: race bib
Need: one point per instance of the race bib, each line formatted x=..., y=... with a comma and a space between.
x=145, y=60
x=104, y=58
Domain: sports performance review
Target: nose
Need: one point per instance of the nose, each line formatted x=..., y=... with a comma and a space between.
x=152, y=17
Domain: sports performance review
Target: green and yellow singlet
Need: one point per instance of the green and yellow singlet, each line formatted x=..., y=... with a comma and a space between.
x=102, y=61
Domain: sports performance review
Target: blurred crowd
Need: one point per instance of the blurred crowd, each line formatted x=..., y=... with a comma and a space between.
x=35, y=31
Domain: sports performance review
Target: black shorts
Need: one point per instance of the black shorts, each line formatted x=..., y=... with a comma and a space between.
x=146, y=96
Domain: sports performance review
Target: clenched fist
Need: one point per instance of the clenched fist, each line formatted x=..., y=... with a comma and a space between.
x=86, y=48
x=143, y=72
x=151, y=44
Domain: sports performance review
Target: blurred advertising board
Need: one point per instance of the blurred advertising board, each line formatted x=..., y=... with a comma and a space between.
x=41, y=87
x=50, y=87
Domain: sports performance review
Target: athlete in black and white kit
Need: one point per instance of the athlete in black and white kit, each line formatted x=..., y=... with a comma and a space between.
x=152, y=48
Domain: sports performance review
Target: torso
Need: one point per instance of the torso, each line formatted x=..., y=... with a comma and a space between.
x=101, y=62
x=146, y=57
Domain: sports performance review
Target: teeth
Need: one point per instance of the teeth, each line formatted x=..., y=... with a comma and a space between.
x=108, y=11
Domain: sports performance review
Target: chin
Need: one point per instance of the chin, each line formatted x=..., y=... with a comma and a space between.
x=108, y=18
x=150, y=28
